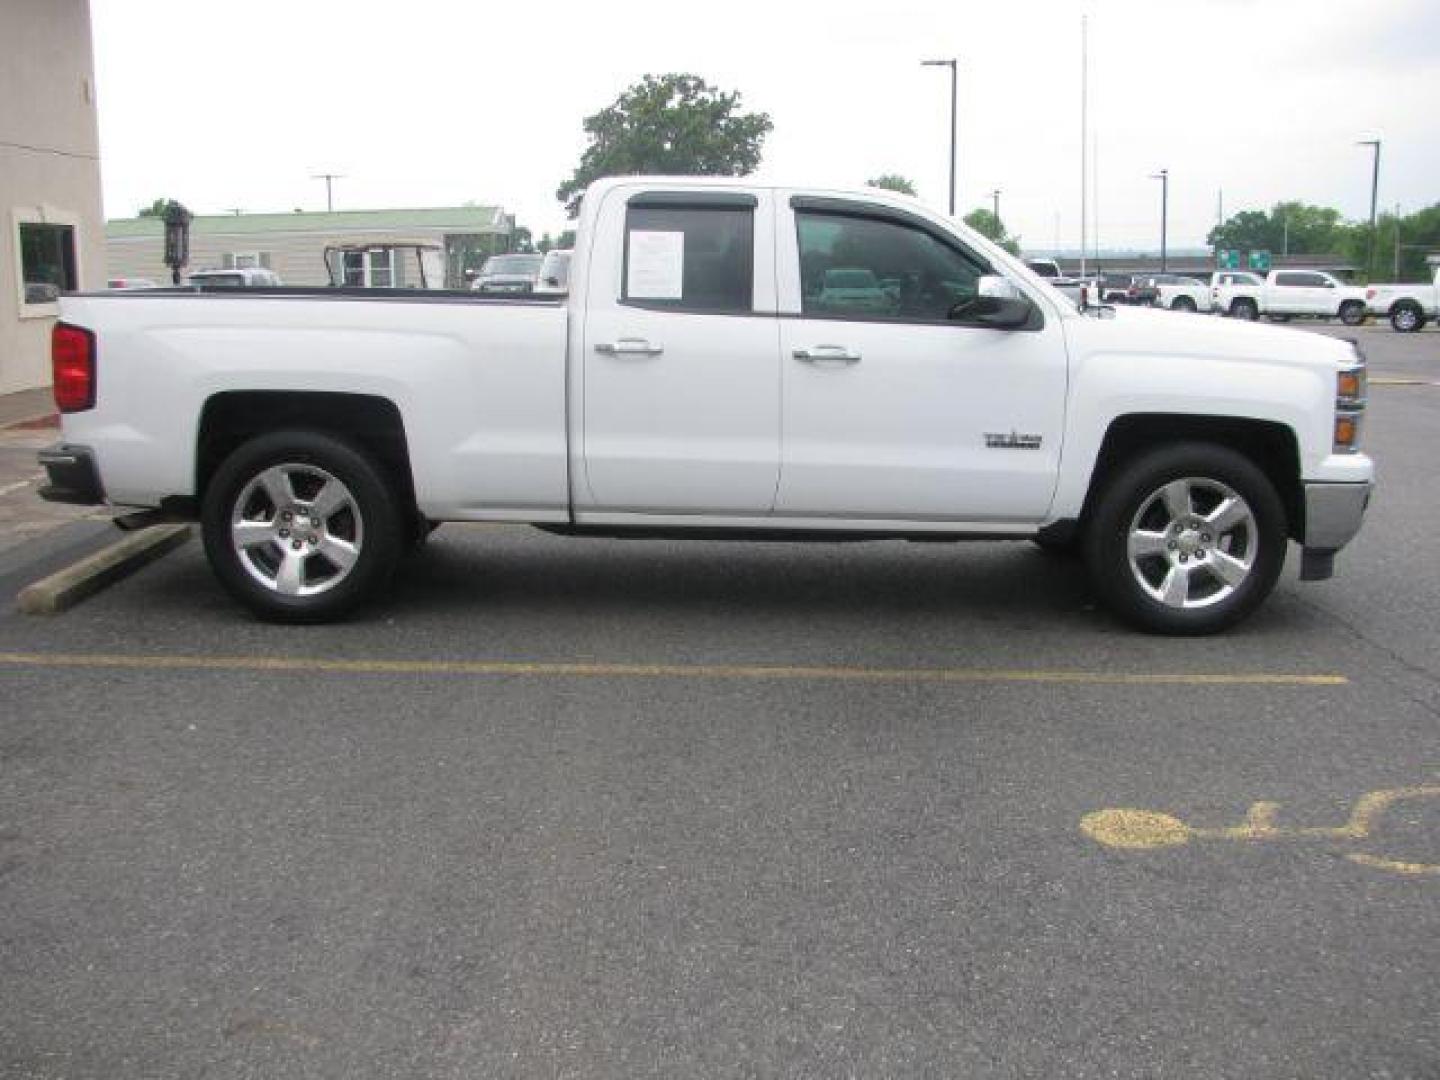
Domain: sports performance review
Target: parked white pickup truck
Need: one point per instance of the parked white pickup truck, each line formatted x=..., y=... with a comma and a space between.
x=1408, y=307
x=1291, y=294
x=701, y=378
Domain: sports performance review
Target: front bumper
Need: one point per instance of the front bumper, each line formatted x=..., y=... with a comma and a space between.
x=1333, y=513
x=73, y=475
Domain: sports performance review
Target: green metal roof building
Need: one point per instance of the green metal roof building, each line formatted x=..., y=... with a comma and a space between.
x=381, y=247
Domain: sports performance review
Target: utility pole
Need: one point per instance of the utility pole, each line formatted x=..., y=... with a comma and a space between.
x=954, y=66
x=1164, y=177
x=1397, y=243
x=1084, y=135
x=1374, y=193
x=329, y=178
x=995, y=195
x=1285, y=240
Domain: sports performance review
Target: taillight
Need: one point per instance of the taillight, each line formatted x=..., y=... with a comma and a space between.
x=72, y=358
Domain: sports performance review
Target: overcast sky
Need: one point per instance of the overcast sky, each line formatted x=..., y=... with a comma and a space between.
x=438, y=102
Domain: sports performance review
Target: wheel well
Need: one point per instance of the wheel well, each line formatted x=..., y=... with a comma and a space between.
x=1270, y=445
x=372, y=423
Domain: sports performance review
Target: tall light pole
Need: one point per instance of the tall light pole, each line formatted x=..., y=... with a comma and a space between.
x=1164, y=177
x=1374, y=194
x=995, y=195
x=954, y=66
x=329, y=178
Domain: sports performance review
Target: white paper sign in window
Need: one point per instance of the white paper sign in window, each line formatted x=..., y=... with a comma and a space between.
x=657, y=266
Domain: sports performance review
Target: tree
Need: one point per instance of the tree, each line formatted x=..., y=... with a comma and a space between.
x=991, y=227
x=520, y=240
x=675, y=125
x=157, y=208
x=892, y=182
x=1294, y=227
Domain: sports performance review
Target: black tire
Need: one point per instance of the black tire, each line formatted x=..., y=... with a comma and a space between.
x=370, y=523
x=1407, y=317
x=1244, y=308
x=1133, y=492
x=1352, y=313
x=1280, y=318
x=1183, y=303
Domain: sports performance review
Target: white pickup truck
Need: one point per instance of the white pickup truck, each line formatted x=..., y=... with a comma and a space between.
x=1293, y=294
x=1408, y=307
x=705, y=377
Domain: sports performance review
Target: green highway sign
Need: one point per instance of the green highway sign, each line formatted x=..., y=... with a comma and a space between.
x=1260, y=260
x=1227, y=259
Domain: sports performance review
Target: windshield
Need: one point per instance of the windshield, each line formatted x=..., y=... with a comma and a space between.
x=512, y=264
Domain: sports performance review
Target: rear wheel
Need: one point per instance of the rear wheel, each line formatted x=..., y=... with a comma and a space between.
x=1352, y=313
x=1187, y=539
x=1245, y=308
x=301, y=527
x=1406, y=317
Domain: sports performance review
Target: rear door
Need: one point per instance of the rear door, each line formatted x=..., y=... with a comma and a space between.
x=891, y=409
x=680, y=410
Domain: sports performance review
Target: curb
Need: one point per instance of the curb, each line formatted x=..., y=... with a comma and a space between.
x=66, y=588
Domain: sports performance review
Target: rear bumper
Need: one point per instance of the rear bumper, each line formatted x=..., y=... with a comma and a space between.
x=73, y=475
x=1333, y=513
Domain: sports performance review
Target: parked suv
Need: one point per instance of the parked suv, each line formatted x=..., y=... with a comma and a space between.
x=509, y=274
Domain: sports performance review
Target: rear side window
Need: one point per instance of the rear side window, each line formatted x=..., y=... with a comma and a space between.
x=690, y=258
x=1302, y=280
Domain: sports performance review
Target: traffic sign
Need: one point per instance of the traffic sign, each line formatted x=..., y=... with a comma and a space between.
x=1227, y=259
x=1260, y=260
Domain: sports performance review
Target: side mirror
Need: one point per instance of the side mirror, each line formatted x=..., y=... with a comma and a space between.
x=993, y=312
x=1001, y=288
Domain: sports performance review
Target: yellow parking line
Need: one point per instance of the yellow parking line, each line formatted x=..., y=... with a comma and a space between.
x=542, y=669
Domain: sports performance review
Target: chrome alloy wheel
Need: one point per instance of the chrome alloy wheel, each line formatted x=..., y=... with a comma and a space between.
x=1192, y=543
x=297, y=529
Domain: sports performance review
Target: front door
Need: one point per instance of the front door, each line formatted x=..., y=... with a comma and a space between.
x=892, y=410
x=680, y=410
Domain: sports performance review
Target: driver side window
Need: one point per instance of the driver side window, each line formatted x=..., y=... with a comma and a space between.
x=877, y=269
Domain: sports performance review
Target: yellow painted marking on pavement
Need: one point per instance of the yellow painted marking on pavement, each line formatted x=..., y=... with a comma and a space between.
x=1149, y=830
x=658, y=671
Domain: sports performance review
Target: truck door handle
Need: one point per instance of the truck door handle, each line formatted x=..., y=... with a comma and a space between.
x=629, y=346
x=827, y=354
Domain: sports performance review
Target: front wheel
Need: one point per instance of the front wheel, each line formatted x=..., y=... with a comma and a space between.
x=1406, y=317
x=301, y=527
x=1352, y=313
x=1245, y=309
x=1186, y=539
x=1183, y=303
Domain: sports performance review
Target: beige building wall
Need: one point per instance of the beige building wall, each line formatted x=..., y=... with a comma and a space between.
x=299, y=258
x=49, y=166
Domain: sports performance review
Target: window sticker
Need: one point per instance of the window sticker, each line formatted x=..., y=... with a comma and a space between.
x=657, y=266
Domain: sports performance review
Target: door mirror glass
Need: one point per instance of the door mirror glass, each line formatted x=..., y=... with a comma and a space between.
x=994, y=312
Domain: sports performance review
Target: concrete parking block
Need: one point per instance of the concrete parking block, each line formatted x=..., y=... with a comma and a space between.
x=66, y=588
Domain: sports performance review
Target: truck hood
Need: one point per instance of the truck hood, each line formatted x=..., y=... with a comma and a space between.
x=1169, y=335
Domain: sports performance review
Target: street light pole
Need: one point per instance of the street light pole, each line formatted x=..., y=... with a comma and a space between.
x=953, y=65
x=996, y=196
x=1164, y=177
x=1374, y=194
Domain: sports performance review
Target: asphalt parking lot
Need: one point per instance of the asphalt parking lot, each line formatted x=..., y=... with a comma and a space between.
x=582, y=808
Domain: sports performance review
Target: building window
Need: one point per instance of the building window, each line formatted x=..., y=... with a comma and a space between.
x=47, y=258
x=247, y=260
x=372, y=269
